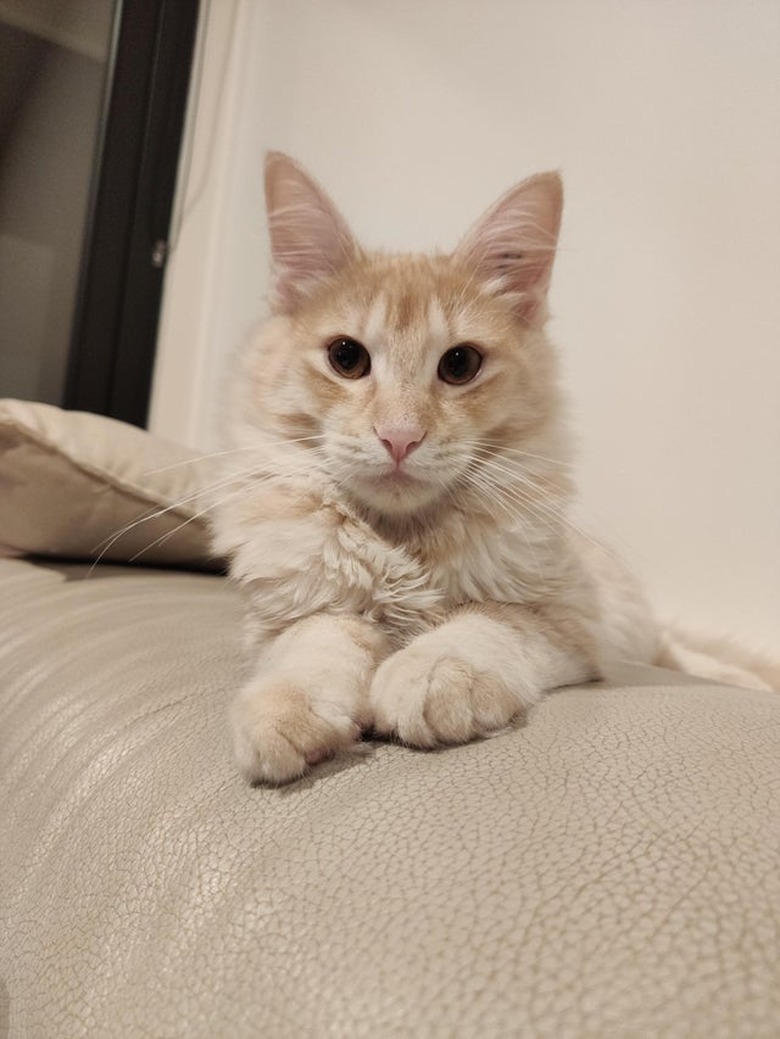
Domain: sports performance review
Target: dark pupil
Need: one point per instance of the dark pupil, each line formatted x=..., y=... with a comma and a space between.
x=458, y=363
x=348, y=354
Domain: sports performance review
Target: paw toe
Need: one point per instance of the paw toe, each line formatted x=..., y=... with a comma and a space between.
x=438, y=701
x=279, y=734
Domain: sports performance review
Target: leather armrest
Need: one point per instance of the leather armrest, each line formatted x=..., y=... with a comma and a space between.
x=609, y=869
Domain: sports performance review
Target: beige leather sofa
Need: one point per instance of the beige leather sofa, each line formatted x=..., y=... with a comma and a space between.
x=610, y=870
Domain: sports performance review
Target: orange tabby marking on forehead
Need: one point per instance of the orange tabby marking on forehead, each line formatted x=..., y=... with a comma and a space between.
x=374, y=319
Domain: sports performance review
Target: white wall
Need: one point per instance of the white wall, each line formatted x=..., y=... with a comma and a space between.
x=665, y=120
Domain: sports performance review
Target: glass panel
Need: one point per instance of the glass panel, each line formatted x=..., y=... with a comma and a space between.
x=54, y=65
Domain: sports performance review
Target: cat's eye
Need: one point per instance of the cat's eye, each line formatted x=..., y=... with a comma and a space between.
x=460, y=364
x=349, y=358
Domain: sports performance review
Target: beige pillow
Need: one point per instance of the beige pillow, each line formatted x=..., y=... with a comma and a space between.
x=82, y=486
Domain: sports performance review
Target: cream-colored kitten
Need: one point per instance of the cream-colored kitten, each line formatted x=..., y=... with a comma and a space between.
x=396, y=501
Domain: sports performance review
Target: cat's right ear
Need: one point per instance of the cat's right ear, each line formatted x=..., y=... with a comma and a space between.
x=310, y=240
x=512, y=247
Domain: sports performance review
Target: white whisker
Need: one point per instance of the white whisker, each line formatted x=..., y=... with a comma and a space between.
x=253, y=475
x=196, y=460
x=560, y=463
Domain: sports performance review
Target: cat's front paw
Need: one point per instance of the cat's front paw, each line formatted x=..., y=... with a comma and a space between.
x=438, y=691
x=279, y=730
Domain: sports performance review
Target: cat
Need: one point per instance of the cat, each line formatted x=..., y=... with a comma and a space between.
x=396, y=494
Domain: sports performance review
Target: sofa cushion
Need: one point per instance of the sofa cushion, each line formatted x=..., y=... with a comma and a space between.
x=83, y=486
x=607, y=870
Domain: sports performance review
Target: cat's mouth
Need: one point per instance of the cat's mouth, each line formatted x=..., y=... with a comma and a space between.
x=395, y=484
x=396, y=477
x=396, y=489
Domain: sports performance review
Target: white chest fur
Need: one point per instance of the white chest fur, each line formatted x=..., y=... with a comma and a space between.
x=328, y=558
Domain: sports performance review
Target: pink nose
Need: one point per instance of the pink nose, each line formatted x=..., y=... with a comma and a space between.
x=400, y=441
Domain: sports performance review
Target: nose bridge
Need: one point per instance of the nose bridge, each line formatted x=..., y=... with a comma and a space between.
x=401, y=417
x=402, y=400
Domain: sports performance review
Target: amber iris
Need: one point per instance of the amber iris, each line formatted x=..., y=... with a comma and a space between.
x=349, y=358
x=460, y=364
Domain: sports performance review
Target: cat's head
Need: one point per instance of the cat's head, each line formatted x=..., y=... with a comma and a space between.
x=397, y=376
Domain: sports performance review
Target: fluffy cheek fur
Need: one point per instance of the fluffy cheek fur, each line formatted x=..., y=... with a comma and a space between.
x=273, y=394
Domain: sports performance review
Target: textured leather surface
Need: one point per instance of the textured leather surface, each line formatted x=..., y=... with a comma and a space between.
x=609, y=870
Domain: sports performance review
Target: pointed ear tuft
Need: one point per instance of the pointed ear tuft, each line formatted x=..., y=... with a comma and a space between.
x=310, y=240
x=512, y=247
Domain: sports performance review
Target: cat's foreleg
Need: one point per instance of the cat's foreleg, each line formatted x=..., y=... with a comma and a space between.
x=307, y=698
x=475, y=673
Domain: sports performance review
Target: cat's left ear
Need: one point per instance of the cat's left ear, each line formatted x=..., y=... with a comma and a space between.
x=512, y=247
x=310, y=240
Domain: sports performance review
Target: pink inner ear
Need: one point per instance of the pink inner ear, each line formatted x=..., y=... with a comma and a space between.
x=310, y=240
x=512, y=246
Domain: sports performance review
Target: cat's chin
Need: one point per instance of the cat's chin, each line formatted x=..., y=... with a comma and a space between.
x=395, y=494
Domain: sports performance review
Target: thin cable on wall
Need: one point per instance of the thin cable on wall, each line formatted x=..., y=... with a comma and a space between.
x=183, y=206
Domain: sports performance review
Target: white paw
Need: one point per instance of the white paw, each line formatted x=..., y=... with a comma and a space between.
x=434, y=692
x=279, y=730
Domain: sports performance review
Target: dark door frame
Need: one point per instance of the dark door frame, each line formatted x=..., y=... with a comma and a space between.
x=115, y=329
